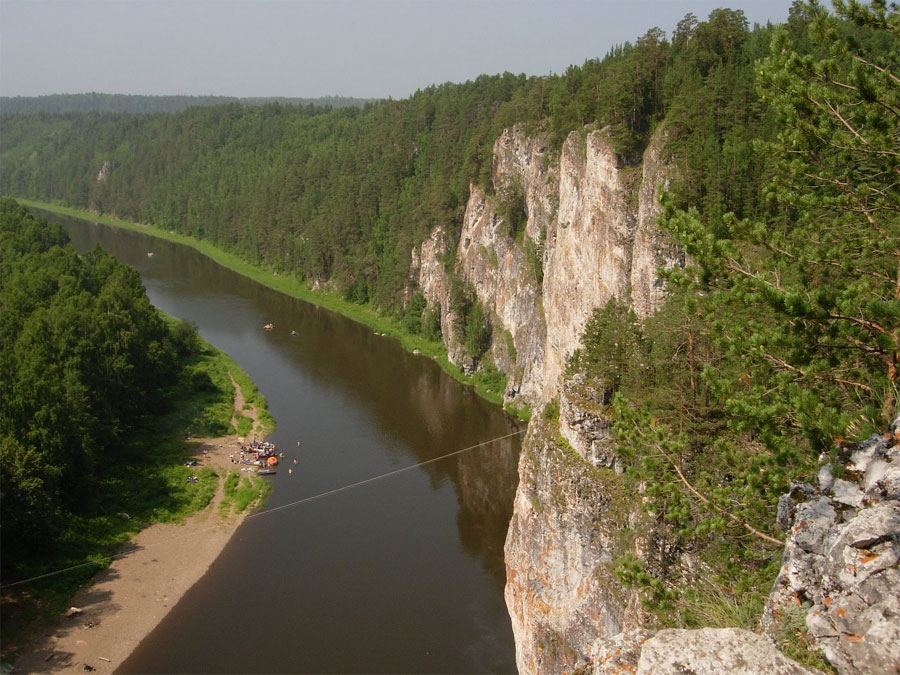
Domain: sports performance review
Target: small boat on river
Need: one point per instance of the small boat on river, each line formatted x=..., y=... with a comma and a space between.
x=266, y=472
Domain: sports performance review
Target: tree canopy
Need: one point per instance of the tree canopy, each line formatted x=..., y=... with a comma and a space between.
x=83, y=357
x=780, y=342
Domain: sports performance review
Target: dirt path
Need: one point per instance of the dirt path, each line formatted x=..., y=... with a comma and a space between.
x=132, y=596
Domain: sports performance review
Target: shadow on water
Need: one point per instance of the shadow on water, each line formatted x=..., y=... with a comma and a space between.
x=404, y=574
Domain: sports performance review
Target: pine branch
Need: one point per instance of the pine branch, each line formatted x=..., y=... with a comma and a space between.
x=781, y=363
x=880, y=69
x=705, y=500
x=871, y=326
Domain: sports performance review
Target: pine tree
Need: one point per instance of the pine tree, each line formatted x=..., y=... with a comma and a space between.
x=797, y=308
x=821, y=268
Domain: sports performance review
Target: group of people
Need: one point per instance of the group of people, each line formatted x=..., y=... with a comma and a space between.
x=258, y=452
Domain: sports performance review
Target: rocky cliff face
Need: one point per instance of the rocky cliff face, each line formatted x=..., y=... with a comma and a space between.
x=590, y=234
x=573, y=519
x=840, y=566
x=564, y=537
x=603, y=242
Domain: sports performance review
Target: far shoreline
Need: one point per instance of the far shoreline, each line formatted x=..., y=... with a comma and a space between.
x=292, y=287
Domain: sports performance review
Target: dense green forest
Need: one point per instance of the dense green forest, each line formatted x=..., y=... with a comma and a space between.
x=84, y=358
x=342, y=196
x=98, y=392
x=780, y=344
x=777, y=345
x=65, y=104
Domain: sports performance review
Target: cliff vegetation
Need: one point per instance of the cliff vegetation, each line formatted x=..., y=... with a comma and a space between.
x=779, y=344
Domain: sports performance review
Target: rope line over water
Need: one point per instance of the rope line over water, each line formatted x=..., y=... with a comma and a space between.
x=381, y=476
x=105, y=560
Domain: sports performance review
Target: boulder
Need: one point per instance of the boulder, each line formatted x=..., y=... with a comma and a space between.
x=713, y=651
x=841, y=560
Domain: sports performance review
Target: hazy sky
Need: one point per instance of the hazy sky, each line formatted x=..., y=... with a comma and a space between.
x=311, y=48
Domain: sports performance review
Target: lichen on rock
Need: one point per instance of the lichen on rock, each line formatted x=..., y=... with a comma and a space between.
x=841, y=558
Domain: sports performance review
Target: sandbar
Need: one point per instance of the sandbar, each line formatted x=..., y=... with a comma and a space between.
x=125, y=602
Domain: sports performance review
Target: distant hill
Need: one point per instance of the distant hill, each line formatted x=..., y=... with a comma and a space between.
x=139, y=104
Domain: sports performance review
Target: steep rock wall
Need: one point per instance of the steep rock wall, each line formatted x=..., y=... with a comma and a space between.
x=573, y=518
x=506, y=286
x=589, y=253
x=651, y=250
x=590, y=235
x=563, y=539
x=428, y=272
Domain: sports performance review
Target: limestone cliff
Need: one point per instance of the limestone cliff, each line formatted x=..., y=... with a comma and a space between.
x=589, y=235
x=573, y=518
x=564, y=537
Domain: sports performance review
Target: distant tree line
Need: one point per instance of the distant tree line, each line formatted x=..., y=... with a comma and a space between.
x=65, y=104
x=342, y=196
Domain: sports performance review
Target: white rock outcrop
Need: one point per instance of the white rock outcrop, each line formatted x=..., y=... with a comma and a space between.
x=841, y=558
x=714, y=651
x=590, y=235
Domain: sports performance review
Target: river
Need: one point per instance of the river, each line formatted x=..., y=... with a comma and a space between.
x=400, y=575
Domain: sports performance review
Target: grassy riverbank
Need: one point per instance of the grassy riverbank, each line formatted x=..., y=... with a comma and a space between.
x=147, y=484
x=485, y=386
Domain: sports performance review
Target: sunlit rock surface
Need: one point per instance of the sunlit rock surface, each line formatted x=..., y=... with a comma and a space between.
x=841, y=558
x=590, y=234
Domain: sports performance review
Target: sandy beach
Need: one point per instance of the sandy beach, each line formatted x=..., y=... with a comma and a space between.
x=127, y=600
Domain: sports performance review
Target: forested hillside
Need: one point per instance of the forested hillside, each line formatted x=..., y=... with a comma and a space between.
x=778, y=343
x=342, y=196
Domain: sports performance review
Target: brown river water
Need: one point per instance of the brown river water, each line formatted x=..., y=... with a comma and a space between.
x=400, y=575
